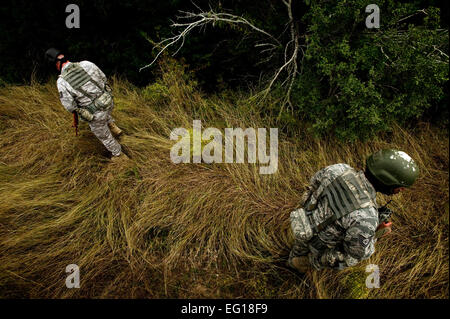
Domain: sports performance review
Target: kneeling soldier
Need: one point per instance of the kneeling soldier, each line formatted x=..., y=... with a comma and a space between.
x=336, y=226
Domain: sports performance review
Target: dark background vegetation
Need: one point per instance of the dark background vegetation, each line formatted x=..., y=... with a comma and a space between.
x=347, y=86
x=113, y=35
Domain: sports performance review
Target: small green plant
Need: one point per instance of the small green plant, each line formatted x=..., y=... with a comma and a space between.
x=353, y=284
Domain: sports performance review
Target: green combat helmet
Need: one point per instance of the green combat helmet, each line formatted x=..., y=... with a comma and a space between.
x=388, y=169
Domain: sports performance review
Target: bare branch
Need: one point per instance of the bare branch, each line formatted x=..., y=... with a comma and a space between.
x=412, y=15
x=442, y=53
x=290, y=64
x=185, y=22
x=201, y=20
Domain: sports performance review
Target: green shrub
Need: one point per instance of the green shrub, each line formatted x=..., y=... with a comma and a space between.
x=358, y=81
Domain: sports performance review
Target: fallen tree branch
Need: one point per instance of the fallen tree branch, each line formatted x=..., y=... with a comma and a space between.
x=201, y=20
x=188, y=21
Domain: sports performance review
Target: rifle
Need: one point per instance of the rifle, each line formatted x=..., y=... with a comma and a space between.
x=75, y=122
x=384, y=228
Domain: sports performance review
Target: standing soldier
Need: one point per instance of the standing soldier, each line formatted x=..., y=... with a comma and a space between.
x=83, y=89
x=337, y=224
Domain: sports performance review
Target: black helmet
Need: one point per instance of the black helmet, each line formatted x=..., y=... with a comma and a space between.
x=51, y=55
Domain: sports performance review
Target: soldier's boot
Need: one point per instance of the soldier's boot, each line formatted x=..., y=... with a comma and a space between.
x=300, y=263
x=121, y=158
x=115, y=129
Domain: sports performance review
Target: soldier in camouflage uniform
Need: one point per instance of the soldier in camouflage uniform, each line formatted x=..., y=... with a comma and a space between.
x=83, y=88
x=336, y=225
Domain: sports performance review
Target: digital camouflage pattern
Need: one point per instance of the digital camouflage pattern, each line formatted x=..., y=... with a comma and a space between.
x=344, y=242
x=99, y=126
x=72, y=100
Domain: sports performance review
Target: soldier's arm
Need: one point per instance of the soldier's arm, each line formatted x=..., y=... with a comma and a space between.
x=314, y=183
x=95, y=71
x=66, y=98
x=100, y=74
x=359, y=241
x=317, y=178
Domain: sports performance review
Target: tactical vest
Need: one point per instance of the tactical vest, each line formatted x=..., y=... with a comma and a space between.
x=76, y=76
x=346, y=193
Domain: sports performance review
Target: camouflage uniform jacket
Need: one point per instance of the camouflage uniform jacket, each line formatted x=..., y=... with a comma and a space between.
x=348, y=240
x=70, y=98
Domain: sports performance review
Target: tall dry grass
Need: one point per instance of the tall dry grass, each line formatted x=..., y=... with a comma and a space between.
x=153, y=229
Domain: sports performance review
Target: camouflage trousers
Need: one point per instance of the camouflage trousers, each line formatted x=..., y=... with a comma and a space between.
x=99, y=126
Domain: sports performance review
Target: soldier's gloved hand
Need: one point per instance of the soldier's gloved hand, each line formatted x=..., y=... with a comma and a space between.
x=331, y=258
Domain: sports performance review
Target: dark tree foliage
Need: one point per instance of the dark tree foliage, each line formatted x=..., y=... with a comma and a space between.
x=352, y=82
x=357, y=82
x=113, y=35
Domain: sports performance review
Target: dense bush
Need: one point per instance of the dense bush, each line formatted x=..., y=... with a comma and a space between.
x=358, y=81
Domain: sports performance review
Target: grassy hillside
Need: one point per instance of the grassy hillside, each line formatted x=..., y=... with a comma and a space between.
x=154, y=229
